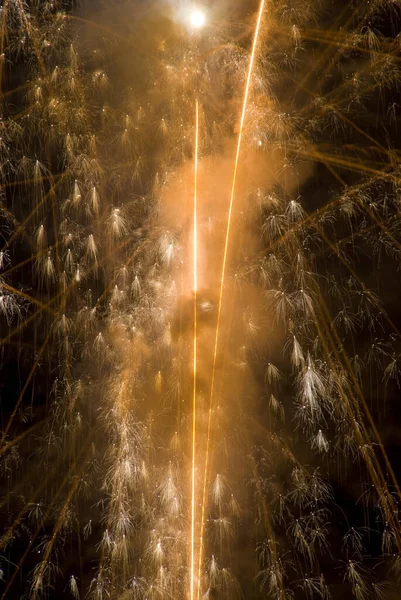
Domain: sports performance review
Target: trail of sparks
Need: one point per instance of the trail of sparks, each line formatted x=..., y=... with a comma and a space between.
x=195, y=287
x=223, y=272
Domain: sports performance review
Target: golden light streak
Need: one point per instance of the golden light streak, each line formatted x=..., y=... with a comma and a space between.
x=195, y=287
x=223, y=272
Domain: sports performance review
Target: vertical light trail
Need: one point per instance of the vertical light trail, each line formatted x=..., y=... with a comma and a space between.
x=195, y=287
x=223, y=272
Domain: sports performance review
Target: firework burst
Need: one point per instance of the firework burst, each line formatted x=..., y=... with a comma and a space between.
x=199, y=221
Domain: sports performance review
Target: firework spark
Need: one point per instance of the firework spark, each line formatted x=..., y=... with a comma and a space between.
x=195, y=342
x=199, y=212
x=222, y=280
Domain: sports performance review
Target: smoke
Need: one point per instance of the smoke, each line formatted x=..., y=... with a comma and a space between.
x=154, y=360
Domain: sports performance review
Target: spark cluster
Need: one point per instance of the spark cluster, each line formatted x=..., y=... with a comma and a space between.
x=198, y=221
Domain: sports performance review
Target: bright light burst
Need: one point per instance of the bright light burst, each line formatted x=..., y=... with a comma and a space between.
x=197, y=329
x=197, y=19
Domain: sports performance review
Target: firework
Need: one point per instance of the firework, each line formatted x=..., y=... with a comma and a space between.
x=199, y=219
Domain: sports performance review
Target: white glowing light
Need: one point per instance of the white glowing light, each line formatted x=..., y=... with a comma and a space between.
x=197, y=19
